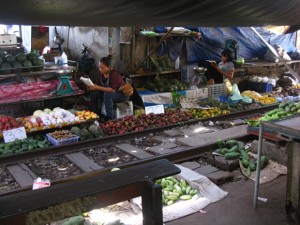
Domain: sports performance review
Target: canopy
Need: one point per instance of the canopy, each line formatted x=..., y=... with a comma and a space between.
x=122, y=13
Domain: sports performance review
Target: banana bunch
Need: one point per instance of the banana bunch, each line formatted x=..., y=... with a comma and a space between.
x=173, y=190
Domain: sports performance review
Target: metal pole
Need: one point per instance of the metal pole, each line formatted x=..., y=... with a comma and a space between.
x=275, y=53
x=260, y=144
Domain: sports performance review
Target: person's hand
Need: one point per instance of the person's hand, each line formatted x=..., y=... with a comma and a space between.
x=92, y=87
x=213, y=63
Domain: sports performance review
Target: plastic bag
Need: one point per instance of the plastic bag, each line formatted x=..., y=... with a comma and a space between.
x=235, y=93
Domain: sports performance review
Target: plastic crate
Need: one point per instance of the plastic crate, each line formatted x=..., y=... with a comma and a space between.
x=63, y=141
x=216, y=90
x=225, y=98
x=260, y=87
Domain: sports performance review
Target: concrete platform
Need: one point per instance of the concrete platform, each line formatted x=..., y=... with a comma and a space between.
x=237, y=207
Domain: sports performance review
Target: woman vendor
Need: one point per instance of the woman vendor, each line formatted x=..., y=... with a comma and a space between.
x=216, y=73
x=107, y=89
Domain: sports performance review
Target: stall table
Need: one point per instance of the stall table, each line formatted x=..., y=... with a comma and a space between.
x=290, y=130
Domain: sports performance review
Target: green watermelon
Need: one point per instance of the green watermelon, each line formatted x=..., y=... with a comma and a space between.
x=17, y=66
x=38, y=62
x=5, y=68
x=9, y=58
x=27, y=63
x=20, y=57
x=31, y=56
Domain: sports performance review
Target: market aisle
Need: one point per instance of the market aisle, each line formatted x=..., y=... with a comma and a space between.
x=236, y=208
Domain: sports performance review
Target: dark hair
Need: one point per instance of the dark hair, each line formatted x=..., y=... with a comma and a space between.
x=106, y=60
x=228, y=54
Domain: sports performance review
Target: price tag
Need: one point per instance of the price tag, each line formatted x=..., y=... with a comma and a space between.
x=156, y=109
x=17, y=133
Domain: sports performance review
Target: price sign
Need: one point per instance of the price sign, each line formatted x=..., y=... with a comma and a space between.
x=156, y=109
x=17, y=133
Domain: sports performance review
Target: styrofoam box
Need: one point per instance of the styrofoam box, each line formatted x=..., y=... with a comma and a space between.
x=124, y=109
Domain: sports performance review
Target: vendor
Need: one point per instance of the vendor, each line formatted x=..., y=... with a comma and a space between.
x=216, y=73
x=106, y=89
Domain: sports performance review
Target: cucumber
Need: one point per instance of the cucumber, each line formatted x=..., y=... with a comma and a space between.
x=252, y=166
x=231, y=143
x=233, y=149
x=241, y=145
x=219, y=150
x=263, y=161
x=244, y=154
x=245, y=162
x=232, y=155
x=185, y=197
x=221, y=143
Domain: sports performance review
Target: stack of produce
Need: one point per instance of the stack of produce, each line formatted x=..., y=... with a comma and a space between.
x=233, y=149
x=229, y=106
x=174, y=190
x=86, y=115
x=205, y=113
x=91, y=132
x=50, y=118
x=8, y=123
x=285, y=109
x=24, y=145
x=142, y=122
x=263, y=99
x=163, y=85
x=21, y=62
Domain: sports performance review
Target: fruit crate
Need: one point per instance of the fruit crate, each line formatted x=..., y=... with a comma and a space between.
x=62, y=141
x=216, y=90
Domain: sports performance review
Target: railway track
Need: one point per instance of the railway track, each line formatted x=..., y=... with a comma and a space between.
x=177, y=143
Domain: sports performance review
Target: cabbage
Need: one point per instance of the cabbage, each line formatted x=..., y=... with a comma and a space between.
x=37, y=113
x=47, y=110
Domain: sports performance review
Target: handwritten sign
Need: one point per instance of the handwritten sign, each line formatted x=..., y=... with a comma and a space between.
x=156, y=109
x=11, y=135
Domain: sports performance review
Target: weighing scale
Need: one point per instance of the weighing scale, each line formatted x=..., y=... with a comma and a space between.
x=199, y=79
x=64, y=86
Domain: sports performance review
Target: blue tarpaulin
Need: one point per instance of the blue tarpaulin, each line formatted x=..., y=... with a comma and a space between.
x=213, y=43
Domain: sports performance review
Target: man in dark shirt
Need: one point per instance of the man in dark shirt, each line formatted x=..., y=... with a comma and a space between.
x=106, y=89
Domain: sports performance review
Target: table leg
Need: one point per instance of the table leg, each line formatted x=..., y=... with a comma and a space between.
x=260, y=144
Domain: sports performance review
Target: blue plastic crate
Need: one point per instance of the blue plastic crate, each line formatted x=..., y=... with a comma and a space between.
x=63, y=141
x=260, y=87
x=224, y=98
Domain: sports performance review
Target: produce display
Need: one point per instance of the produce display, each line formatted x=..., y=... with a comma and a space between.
x=174, y=190
x=93, y=131
x=8, y=123
x=142, y=122
x=163, y=85
x=50, y=118
x=223, y=105
x=263, y=99
x=204, y=113
x=58, y=117
x=86, y=115
x=285, y=109
x=62, y=134
x=30, y=91
x=24, y=145
x=233, y=149
x=21, y=62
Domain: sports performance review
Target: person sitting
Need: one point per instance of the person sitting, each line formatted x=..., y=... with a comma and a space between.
x=216, y=73
x=106, y=89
